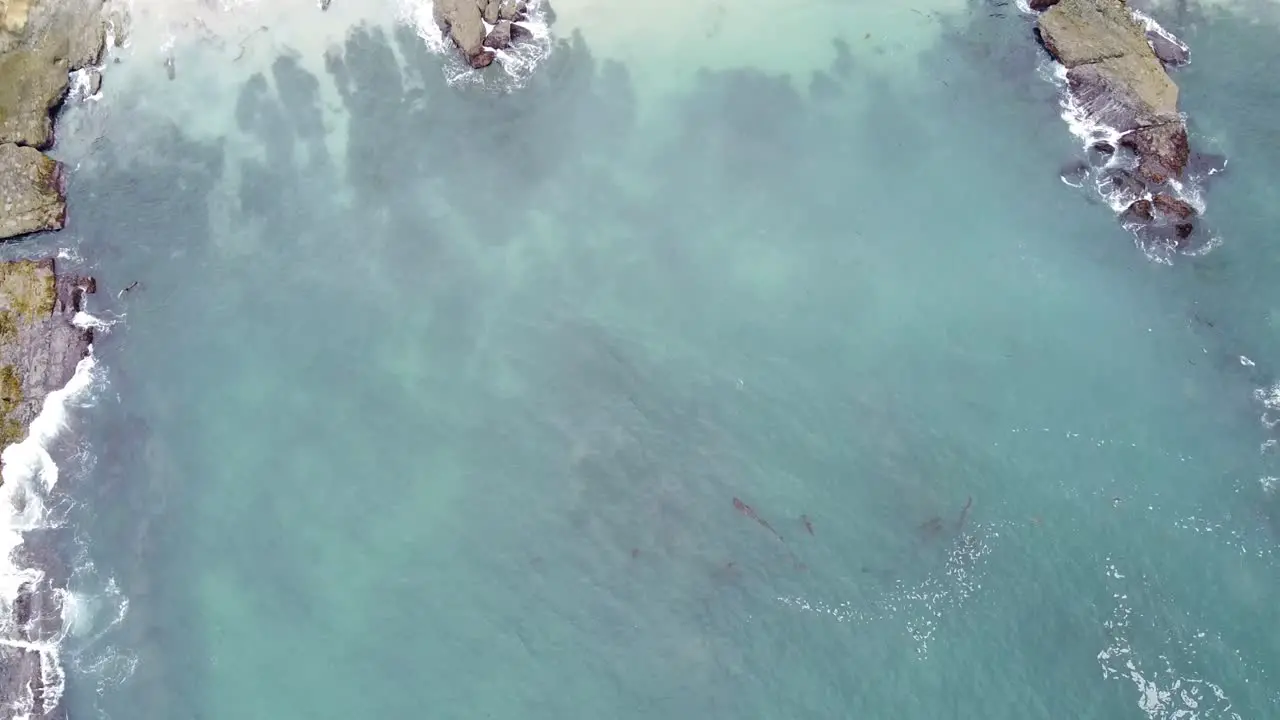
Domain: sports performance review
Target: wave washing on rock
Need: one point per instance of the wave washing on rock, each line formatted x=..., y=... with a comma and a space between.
x=1111, y=62
x=476, y=35
x=46, y=366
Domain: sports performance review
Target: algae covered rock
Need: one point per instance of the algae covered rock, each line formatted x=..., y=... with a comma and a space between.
x=30, y=194
x=39, y=344
x=39, y=349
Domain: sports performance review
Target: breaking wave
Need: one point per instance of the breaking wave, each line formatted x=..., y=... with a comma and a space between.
x=919, y=606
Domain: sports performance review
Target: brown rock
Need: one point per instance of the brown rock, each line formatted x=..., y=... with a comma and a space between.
x=1140, y=211
x=482, y=59
x=1162, y=151
x=1172, y=207
x=1042, y=5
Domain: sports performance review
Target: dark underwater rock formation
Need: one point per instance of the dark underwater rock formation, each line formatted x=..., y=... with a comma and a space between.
x=41, y=41
x=1115, y=72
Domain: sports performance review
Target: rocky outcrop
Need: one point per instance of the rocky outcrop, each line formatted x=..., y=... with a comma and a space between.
x=480, y=27
x=1118, y=80
x=39, y=349
x=40, y=43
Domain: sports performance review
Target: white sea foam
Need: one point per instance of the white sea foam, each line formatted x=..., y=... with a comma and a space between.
x=1161, y=693
x=29, y=474
x=921, y=605
x=1150, y=25
x=518, y=61
x=85, y=321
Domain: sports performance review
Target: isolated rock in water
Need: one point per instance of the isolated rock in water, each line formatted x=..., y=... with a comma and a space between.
x=462, y=21
x=1116, y=78
x=500, y=37
x=1074, y=173
x=30, y=195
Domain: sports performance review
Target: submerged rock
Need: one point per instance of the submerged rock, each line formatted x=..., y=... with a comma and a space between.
x=1117, y=78
x=30, y=192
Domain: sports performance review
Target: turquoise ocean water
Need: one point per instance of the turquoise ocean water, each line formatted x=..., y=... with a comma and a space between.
x=435, y=400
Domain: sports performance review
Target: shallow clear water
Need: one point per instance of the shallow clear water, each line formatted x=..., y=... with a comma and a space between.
x=435, y=400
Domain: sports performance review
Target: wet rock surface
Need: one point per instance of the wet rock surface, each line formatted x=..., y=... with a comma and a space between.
x=39, y=349
x=40, y=43
x=479, y=27
x=1116, y=74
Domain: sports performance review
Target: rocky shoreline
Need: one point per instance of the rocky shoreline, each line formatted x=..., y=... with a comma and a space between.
x=1116, y=68
x=480, y=28
x=41, y=44
x=40, y=347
